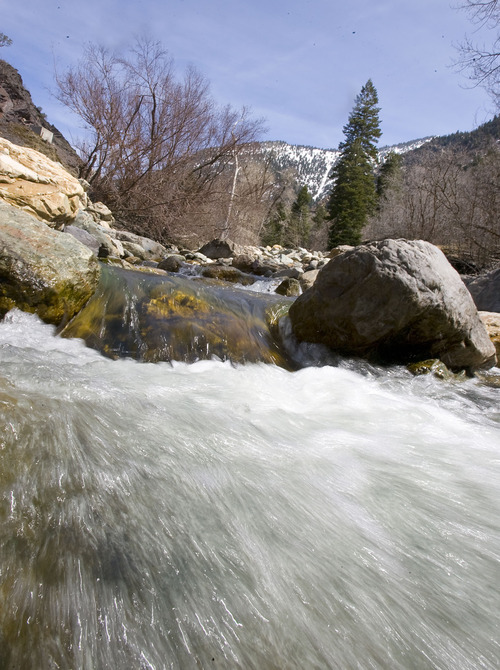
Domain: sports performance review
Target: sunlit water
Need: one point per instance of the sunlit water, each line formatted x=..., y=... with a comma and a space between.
x=213, y=516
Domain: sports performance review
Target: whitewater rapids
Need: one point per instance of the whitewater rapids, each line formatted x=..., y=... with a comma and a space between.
x=217, y=516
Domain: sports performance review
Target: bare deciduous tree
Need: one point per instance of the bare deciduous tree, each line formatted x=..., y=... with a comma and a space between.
x=156, y=145
x=448, y=198
x=482, y=60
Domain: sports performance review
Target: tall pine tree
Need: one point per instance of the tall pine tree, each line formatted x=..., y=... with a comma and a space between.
x=354, y=195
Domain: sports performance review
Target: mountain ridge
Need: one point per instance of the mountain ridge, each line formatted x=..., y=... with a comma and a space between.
x=313, y=165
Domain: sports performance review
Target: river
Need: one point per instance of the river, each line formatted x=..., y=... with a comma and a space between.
x=211, y=515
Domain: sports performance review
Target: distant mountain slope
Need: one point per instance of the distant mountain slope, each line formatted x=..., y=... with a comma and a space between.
x=313, y=166
x=473, y=141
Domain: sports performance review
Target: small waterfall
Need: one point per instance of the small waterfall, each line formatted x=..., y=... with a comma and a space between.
x=163, y=318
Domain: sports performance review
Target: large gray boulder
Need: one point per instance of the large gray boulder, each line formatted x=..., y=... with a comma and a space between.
x=394, y=301
x=42, y=270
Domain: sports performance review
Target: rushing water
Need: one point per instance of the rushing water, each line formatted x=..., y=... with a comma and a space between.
x=219, y=516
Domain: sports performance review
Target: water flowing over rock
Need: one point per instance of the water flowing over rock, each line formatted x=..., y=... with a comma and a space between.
x=395, y=301
x=34, y=183
x=42, y=270
x=156, y=318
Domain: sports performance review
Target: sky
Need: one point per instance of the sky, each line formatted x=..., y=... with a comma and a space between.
x=299, y=64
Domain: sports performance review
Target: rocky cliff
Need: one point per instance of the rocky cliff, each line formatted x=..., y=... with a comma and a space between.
x=20, y=121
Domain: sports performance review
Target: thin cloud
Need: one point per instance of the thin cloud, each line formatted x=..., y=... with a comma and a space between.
x=298, y=62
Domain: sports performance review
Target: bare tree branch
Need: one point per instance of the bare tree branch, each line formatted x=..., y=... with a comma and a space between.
x=481, y=61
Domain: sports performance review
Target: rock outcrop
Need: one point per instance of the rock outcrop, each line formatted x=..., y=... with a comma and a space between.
x=21, y=120
x=394, y=301
x=42, y=270
x=34, y=183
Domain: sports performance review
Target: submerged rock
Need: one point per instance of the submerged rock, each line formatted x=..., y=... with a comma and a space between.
x=229, y=274
x=394, y=301
x=164, y=318
x=436, y=368
x=42, y=270
x=172, y=263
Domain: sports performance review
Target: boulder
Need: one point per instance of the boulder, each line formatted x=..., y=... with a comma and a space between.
x=34, y=183
x=84, y=237
x=149, y=249
x=42, y=270
x=220, y=249
x=308, y=279
x=491, y=322
x=244, y=262
x=100, y=212
x=289, y=287
x=103, y=236
x=292, y=272
x=135, y=250
x=485, y=291
x=394, y=301
x=172, y=263
x=227, y=273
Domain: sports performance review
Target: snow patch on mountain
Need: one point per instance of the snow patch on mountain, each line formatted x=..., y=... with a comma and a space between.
x=313, y=166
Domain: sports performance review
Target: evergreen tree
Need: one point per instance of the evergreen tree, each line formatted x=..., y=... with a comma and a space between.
x=274, y=229
x=320, y=216
x=388, y=174
x=354, y=195
x=298, y=229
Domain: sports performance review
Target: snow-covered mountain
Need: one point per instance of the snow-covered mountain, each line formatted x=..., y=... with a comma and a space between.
x=313, y=166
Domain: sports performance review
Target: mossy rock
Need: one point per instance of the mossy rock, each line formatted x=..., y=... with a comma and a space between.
x=228, y=273
x=153, y=318
x=43, y=271
x=437, y=368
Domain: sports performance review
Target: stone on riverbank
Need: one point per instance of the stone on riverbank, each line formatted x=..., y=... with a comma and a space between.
x=491, y=321
x=42, y=270
x=32, y=182
x=394, y=301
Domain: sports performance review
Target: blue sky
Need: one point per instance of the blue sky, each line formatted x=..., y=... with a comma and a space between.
x=297, y=63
